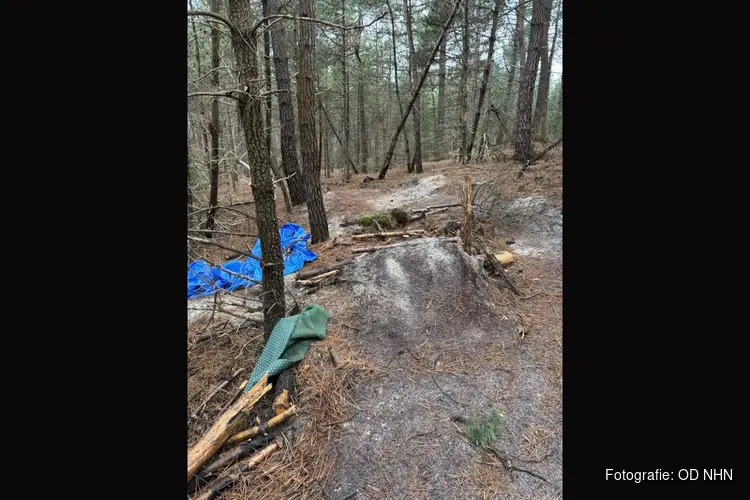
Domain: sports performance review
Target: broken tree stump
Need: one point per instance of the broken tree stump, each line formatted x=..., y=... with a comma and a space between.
x=468, y=216
x=224, y=427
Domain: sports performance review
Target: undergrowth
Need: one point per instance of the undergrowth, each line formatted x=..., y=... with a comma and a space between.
x=485, y=430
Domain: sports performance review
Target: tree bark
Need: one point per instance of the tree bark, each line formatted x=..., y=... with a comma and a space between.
x=440, y=129
x=485, y=77
x=389, y=154
x=416, y=164
x=249, y=110
x=345, y=91
x=523, y=148
x=269, y=112
x=464, y=91
x=395, y=73
x=213, y=127
x=306, y=108
x=363, y=152
x=539, y=122
x=289, y=161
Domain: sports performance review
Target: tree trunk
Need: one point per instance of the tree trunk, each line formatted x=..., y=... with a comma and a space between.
x=464, y=91
x=200, y=127
x=213, y=127
x=306, y=109
x=539, y=122
x=363, y=153
x=440, y=129
x=521, y=32
x=523, y=148
x=508, y=98
x=345, y=92
x=485, y=77
x=428, y=63
x=249, y=110
x=413, y=70
x=289, y=161
x=395, y=73
x=269, y=112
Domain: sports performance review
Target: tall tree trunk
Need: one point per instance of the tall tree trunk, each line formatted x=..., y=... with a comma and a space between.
x=486, y=77
x=316, y=211
x=269, y=111
x=362, y=153
x=440, y=128
x=413, y=73
x=345, y=93
x=250, y=113
x=203, y=134
x=523, y=148
x=521, y=32
x=213, y=127
x=508, y=97
x=395, y=73
x=464, y=91
x=289, y=161
x=539, y=122
x=415, y=96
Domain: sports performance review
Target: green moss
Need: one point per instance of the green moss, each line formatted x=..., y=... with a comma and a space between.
x=384, y=220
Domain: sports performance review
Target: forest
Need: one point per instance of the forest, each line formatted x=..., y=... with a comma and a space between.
x=432, y=130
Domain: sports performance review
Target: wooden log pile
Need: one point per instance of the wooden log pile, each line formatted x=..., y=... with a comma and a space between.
x=240, y=447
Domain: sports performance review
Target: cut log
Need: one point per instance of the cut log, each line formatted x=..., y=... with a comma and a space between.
x=498, y=269
x=505, y=258
x=224, y=427
x=387, y=234
x=259, y=429
x=318, y=278
x=306, y=274
x=223, y=482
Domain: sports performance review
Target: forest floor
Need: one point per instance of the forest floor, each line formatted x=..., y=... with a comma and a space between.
x=421, y=338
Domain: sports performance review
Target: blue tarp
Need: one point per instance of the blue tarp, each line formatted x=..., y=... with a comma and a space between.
x=204, y=279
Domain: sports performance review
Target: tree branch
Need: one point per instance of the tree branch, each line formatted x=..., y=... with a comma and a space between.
x=209, y=242
x=215, y=16
x=319, y=21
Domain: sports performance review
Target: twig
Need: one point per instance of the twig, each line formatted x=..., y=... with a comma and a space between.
x=319, y=278
x=441, y=390
x=221, y=232
x=537, y=157
x=209, y=242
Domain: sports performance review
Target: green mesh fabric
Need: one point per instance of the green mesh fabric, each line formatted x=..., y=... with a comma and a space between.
x=289, y=342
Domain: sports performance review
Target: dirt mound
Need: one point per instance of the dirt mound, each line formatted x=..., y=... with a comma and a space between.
x=444, y=349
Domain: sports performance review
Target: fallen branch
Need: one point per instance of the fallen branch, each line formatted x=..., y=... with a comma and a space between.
x=537, y=157
x=262, y=428
x=311, y=273
x=224, y=427
x=388, y=234
x=223, y=482
x=436, y=207
x=209, y=242
x=214, y=392
x=336, y=134
x=372, y=249
x=498, y=268
x=468, y=216
x=318, y=279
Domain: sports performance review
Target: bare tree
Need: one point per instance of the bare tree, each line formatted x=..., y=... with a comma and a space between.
x=362, y=148
x=249, y=110
x=316, y=211
x=289, y=162
x=345, y=92
x=464, y=91
x=416, y=163
x=395, y=72
x=440, y=131
x=523, y=148
x=485, y=76
x=425, y=70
